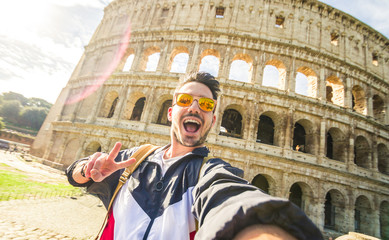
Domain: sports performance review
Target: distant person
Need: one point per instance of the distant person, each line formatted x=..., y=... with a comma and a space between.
x=172, y=195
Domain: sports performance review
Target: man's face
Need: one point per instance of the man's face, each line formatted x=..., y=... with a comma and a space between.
x=191, y=125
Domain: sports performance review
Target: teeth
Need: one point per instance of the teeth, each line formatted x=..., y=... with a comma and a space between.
x=192, y=121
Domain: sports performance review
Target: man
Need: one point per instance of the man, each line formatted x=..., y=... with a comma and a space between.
x=172, y=188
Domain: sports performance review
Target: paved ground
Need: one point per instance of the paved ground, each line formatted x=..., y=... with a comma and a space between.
x=54, y=218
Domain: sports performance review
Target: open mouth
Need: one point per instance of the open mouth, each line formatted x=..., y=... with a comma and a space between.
x=192, y=125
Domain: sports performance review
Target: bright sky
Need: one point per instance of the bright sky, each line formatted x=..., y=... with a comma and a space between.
x=41, y=41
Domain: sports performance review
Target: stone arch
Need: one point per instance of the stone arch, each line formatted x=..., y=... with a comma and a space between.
x=266, y=128
x=383, y=158
x=109, y=104
x=274, y=74
x=178, y=60
x=303, y=137
x=378, y=108
x=334, y=211
x=70, y=151
x=162, y=116
x=264, y=182
x=241, y=68
x=336, y=94
x=131, y=104
x=336, y=144
x=210, y=62
x=301, y=195
x=384, y=219
x=359, y=100
x=362, y=152
x=92, y=147
x=138, y=109
x=232, y=122
x=150, y=59
x=363, y=216
x=128, y=59
x=306, y=82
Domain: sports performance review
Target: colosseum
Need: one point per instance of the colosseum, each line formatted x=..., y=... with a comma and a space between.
x=303, y=109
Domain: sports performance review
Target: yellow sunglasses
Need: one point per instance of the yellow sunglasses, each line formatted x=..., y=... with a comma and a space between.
x=186, y=100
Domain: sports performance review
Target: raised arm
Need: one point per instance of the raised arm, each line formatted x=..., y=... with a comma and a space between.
x=99, y=166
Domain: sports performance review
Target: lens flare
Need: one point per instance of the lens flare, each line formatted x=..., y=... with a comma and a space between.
x=121, y=49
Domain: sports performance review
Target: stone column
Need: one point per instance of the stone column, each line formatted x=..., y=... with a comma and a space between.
x=194, y=60
x=163, y=59
x=291, y=79
x=322, y=84
x=288, y=132
x=369, y=101
x=121, y=104
x=322, y=140
x=225, y=64
x=348, y=93
x=149, y=105
x=138, y=58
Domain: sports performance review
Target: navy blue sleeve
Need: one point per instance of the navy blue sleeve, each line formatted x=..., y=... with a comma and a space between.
x=225, y=204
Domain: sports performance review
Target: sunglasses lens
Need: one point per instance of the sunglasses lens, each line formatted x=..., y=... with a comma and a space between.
x=206, y=104
x=184, y=100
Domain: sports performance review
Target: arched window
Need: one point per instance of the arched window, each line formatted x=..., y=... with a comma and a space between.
x=274, y=74
x=109, y=104
x=334, y=211
x=178, y=60
x=329, y=213
x=383, y=158
x=336, y=144
x=112, y=109
x=138, y=109
x=261, y=182
x=335, y=91
x=179, y=63
x=152, y=62
x=296, y=195
x=150, y=59
x=241, y=68
x=128, y=64
x=306, y=82
x=359, y=100
x=265, y=133
x=162, y=116
x=299, y=138
x=210, y=61
x=384, y=220
x=92, y=148
x=363, y=216
x=362, y=152
x=231, y=123
x=378, y=108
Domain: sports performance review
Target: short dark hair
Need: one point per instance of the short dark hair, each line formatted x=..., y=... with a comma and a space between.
x=204, y=78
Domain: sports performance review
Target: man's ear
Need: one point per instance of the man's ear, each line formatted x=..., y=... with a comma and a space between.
x=169, y=114
x=213, y=120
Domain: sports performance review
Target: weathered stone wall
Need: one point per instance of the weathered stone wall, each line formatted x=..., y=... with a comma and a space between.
x=328, y=145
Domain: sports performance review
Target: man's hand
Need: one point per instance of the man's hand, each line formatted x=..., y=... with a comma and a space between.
x=101, y=165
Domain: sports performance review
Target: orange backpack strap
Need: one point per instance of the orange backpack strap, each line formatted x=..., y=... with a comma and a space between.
x=140, y=155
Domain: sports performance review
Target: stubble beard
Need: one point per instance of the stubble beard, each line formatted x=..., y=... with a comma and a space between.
x=197, y=143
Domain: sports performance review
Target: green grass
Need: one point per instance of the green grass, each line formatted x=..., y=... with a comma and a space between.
x=16, y=185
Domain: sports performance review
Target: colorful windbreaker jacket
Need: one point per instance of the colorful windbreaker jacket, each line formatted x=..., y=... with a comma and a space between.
x=153, y=206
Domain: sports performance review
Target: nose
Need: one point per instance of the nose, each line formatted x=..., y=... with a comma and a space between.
x=194, y=107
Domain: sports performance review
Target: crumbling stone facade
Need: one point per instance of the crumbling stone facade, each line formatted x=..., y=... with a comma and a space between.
x=316, y=132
